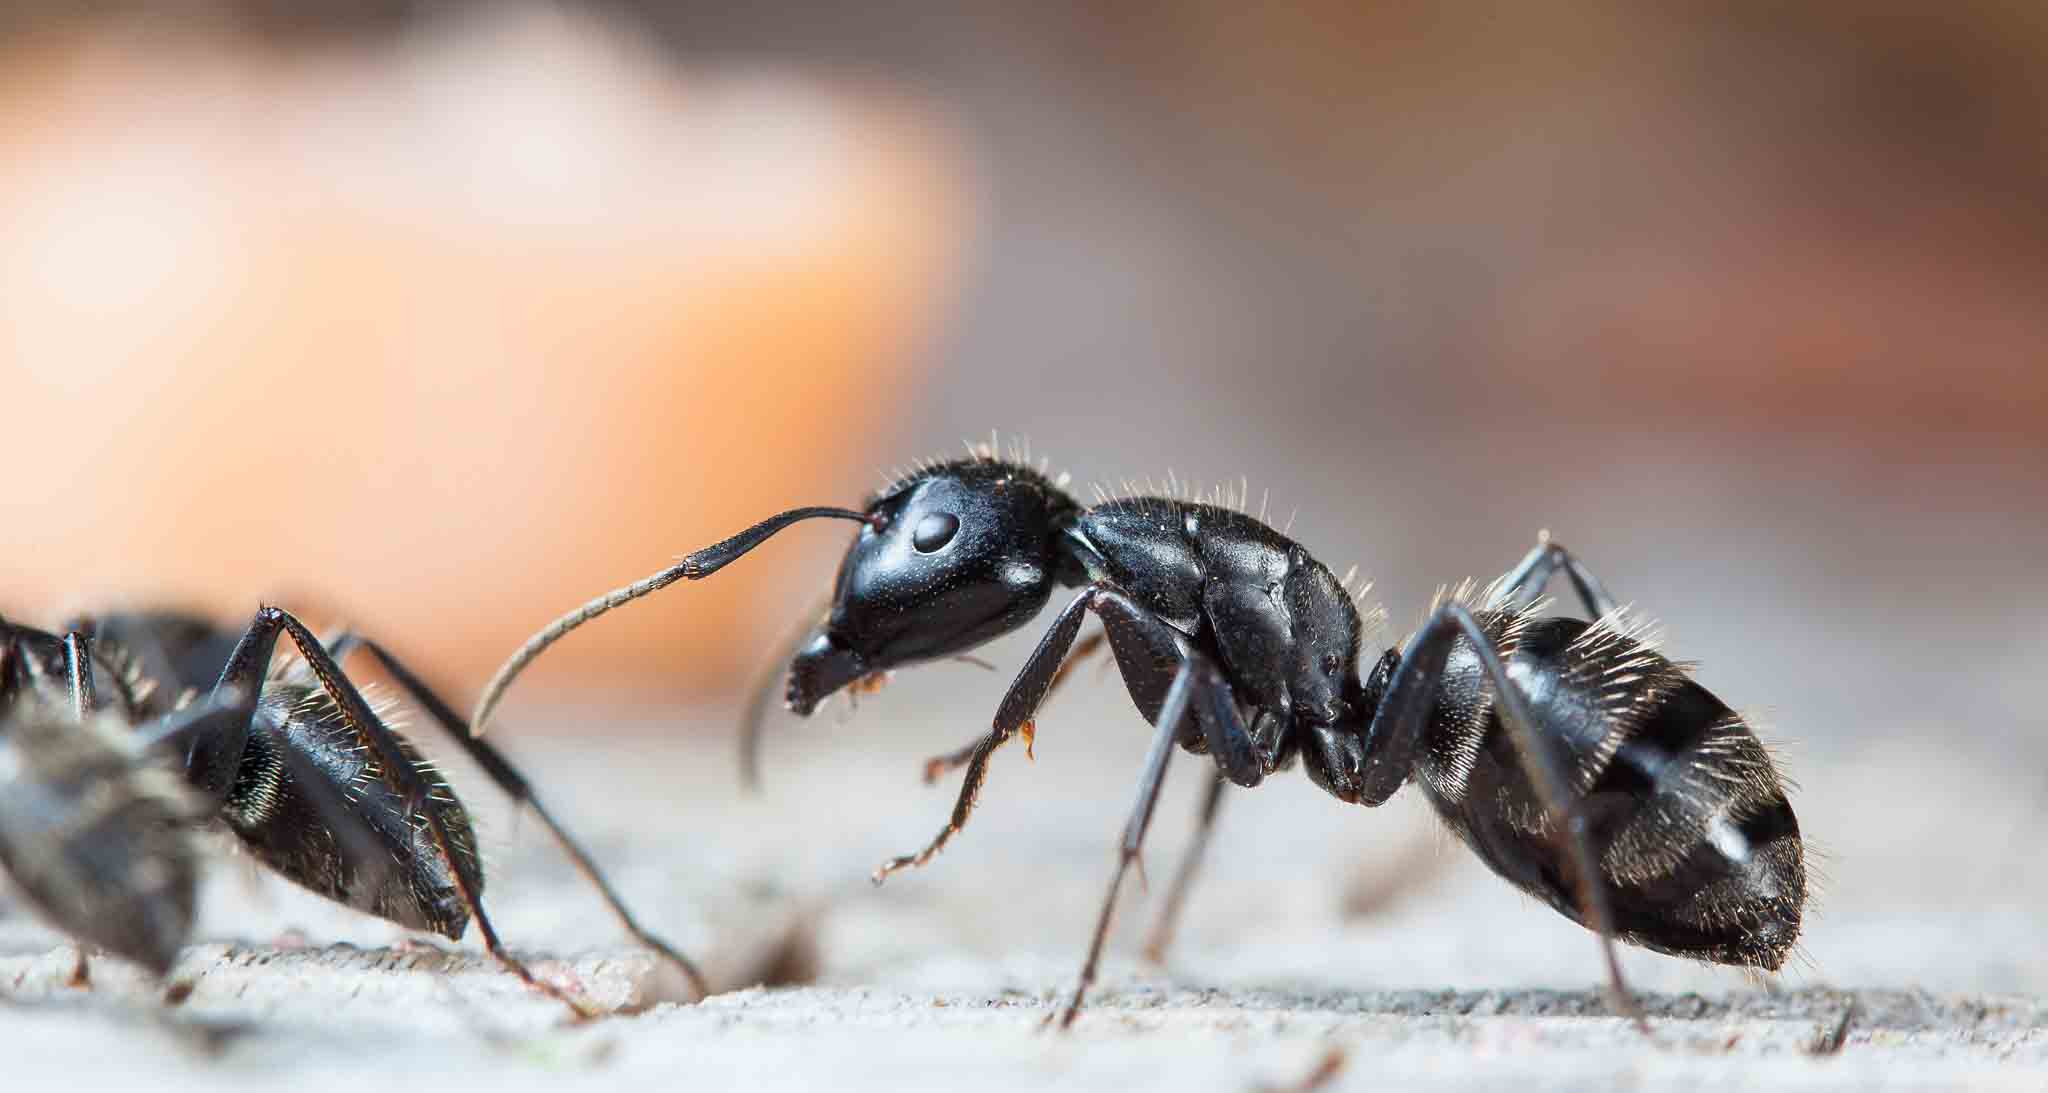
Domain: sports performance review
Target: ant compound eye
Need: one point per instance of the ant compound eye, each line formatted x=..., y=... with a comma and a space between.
x=934, y=532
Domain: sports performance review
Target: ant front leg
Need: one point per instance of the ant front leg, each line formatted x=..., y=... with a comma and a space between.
x=1019, y=703
x=1380, y=764
x=938, y=765
x=1169, y=680
x=250, y=658
x=515, y=785
x=1142, y=674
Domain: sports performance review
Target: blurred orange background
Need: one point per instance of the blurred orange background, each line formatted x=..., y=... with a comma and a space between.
x=446, y=318
x=444, y=329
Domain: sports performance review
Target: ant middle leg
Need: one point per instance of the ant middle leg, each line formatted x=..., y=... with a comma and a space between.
x=1168, y=921
x=1129, y=847
x=1265, y=736
x=516, y=786
x=1195, y=689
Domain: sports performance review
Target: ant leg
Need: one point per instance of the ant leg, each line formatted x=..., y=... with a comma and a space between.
x=90, y=633
x=1184, y=876
x=1396, y=731
x=1170, y=712
x=1196, y=685
x=250, y=658
x=1013, y=715
x=78, y=665
x=515, y=786
x=1020, y=703
x=84, y=664
x=1536, y=568
x=939, y=765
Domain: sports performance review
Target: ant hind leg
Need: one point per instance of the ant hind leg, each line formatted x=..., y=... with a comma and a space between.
x=1533, y=573
x=1396, y=732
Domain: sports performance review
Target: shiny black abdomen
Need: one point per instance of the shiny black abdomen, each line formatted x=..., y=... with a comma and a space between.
x=1699, y=848
x=273, y=816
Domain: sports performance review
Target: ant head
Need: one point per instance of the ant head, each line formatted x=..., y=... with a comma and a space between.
x=949, y=558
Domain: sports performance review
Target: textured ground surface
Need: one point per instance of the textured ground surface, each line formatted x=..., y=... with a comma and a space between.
x=1317, y=929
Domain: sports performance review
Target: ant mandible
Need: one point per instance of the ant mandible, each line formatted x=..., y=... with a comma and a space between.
x=1575, y=760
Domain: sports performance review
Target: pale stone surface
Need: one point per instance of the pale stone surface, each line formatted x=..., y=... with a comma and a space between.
x=938, y=980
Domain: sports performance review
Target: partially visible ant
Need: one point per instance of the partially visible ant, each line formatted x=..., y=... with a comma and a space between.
x=93, y=835
x=305, y=771
x=1576, y=761
x=93, y=816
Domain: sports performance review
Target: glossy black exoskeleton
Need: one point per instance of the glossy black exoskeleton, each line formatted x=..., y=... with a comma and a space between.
x=304, y=770
x=1574, y=759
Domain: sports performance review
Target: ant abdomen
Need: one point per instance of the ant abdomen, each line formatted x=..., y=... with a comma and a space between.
x=282, y=821
x=1700, y=854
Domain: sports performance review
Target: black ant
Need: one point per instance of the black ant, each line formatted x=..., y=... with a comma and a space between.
x=304, y=770
x=93, y=818
x=92, y=834
x=1577, y=762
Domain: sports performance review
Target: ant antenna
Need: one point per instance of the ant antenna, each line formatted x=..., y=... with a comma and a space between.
x=694, y=566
